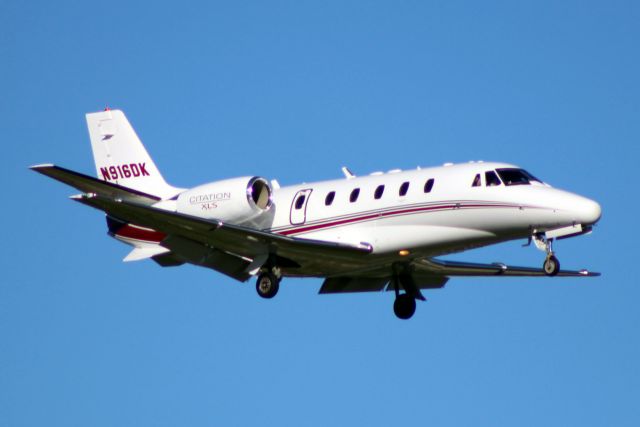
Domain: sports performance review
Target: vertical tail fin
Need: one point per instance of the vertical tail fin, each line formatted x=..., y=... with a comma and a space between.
x=120, y=156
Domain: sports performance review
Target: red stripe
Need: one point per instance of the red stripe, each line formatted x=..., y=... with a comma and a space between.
x=388, y=214
x=140, y=234
x=393, y=210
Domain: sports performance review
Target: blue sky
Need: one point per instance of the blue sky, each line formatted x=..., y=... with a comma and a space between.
x=293, y=91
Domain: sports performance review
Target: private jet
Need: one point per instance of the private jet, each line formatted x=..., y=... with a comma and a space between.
x=379, y=232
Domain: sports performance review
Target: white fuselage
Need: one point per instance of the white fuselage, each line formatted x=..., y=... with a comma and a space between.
x=453, y=215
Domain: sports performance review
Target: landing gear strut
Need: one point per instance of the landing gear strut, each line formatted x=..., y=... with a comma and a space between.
x=551, y=265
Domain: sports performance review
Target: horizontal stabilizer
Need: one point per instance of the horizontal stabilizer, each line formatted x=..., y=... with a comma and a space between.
x=145, y=252
x=89, y=184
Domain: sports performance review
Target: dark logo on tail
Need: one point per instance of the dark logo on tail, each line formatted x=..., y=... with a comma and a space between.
x=131, y=170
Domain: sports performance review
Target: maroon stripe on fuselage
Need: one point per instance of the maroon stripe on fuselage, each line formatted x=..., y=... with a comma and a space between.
x=386, y=214
x=392, y=209
x=131, y=232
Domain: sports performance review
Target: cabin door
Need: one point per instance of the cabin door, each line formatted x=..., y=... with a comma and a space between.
x=299, y=207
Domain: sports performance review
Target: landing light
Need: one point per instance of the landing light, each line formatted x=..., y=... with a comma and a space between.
x=404, y=252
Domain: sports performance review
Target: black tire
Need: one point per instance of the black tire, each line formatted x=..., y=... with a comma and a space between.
x=267, y=285
x=404, y=306
x=551, y=266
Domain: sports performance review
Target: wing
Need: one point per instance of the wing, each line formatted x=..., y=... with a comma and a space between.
x=432, y=274
x=457, y=268
x=89, y=184
x=249, y=247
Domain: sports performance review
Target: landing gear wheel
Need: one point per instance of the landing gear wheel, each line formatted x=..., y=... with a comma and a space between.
x=551, y=266
x=267, y=285
x=404, y=306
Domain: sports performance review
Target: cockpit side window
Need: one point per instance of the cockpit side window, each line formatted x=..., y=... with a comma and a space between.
x=476, y=181
x=513, y=176
x=491, y=179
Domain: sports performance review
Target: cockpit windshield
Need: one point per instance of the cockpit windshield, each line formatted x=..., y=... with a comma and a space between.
x=513, y=176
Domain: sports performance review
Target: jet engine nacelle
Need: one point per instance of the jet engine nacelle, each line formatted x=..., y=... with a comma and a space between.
x=237, y=200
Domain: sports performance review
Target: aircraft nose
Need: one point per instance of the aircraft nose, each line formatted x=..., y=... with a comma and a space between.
x=588, y=211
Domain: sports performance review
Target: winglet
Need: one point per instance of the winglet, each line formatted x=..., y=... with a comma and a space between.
x=41, y=166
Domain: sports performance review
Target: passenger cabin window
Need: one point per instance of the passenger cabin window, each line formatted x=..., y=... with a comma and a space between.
x=379, y=191
x=329, y=199
x=476, y=181
x=428, y=185
x=513, y=176
x=404, y=188
x=354, y=195
x=491, y=179
x=300, y=202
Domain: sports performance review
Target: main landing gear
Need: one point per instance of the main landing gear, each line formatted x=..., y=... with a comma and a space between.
x=268, y=283
x=551, y=265
x=404, y=305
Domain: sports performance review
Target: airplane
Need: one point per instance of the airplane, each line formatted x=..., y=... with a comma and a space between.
x=380, y=232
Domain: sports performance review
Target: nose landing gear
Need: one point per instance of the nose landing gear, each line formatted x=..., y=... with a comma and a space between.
x=551, y=265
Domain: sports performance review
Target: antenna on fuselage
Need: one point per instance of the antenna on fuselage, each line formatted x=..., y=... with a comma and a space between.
x=347, y=173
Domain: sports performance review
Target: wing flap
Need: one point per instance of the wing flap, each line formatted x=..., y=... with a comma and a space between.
x=205, y=256
x=345, y=284
x=335, y=285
